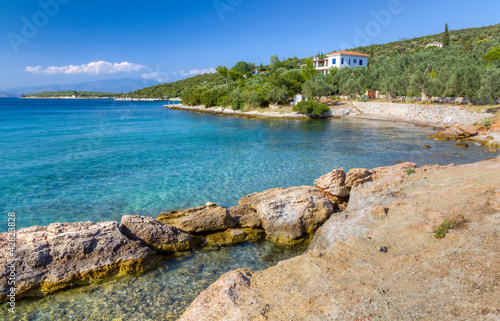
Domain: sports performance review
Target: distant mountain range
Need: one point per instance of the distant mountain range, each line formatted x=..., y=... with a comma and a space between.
x=124, y=85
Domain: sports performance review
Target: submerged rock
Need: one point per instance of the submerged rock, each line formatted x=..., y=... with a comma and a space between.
x=245, y=216
x=233, y=236
x=289, y=214
x=63, y=255
x=156, y=235
x=455, y=132
x=199, y=219
x=461, y=145
x=333, y=183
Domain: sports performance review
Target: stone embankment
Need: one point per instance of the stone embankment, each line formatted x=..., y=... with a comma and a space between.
x=433, y=115
x=412, y=244
x=436, y=115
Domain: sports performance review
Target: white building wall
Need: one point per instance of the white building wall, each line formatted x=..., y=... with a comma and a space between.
x=349, y=61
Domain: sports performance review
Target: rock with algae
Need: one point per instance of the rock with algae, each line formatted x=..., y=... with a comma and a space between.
x=156, y=235
x=233, y=236
x=67, y=254
x=245, y=216
x=201, y=219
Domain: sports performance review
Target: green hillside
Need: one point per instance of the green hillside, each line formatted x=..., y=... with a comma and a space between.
x=464, y=37
x=469, y=66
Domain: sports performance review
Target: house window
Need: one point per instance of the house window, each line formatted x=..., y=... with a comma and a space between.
x=355, y=61
x=349, y=61
x=342, y=60
x=334, y=61
x=361, y=62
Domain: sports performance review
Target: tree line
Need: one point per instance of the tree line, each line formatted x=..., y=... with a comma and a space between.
x=464, y=67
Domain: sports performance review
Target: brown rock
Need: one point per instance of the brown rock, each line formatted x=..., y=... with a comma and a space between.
x=333, y=183
x=390, y=172
x=481, y=128
x=63, y=255
x=357, y=176
x=469, y=130
x=453, y=133
x=156, y=235
x=234, y=236
x=245, y=216
x=289, y=214
x=221, y=300
x=199, y=219
x=380, y=212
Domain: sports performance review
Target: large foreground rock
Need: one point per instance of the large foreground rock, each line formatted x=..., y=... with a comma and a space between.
x=334, y=183
x=62, y=255
x=288, y=215
x=365, y=266
x=201, y=219
x=156, y=235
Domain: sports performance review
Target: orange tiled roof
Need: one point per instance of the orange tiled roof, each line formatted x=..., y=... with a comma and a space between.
x=351, y=53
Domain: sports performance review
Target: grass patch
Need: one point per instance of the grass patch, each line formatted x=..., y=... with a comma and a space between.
x=442, y=230
x=410, y=171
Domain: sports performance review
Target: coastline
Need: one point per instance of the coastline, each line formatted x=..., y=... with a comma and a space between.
x=435, y=116
x=432, y=115
x=242, y=114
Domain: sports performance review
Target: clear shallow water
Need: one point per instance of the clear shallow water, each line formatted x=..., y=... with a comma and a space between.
x=78, y=160
x=161, y=294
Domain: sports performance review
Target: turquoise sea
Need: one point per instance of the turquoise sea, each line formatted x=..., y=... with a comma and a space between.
x=79, y=160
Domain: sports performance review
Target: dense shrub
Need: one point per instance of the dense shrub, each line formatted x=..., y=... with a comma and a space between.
x=252, y=98
x=191, y=97
x=311, y=107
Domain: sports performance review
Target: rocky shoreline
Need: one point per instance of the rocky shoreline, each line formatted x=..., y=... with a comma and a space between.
x=368, y=227
x=221, y=111
x=437, y=116
x=429, y=115
x=63, y=255
x=414, y=244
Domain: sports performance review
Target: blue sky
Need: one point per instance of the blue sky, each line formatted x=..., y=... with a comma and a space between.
x=70, y=41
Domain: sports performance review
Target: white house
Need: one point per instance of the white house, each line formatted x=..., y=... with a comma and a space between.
x=341, y=59
x=434, y=44
x=297, y=99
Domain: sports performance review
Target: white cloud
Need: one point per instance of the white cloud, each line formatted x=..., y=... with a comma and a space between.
x=199, y=72
x=155, y=76
x=93, y=68
x=34, y=70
